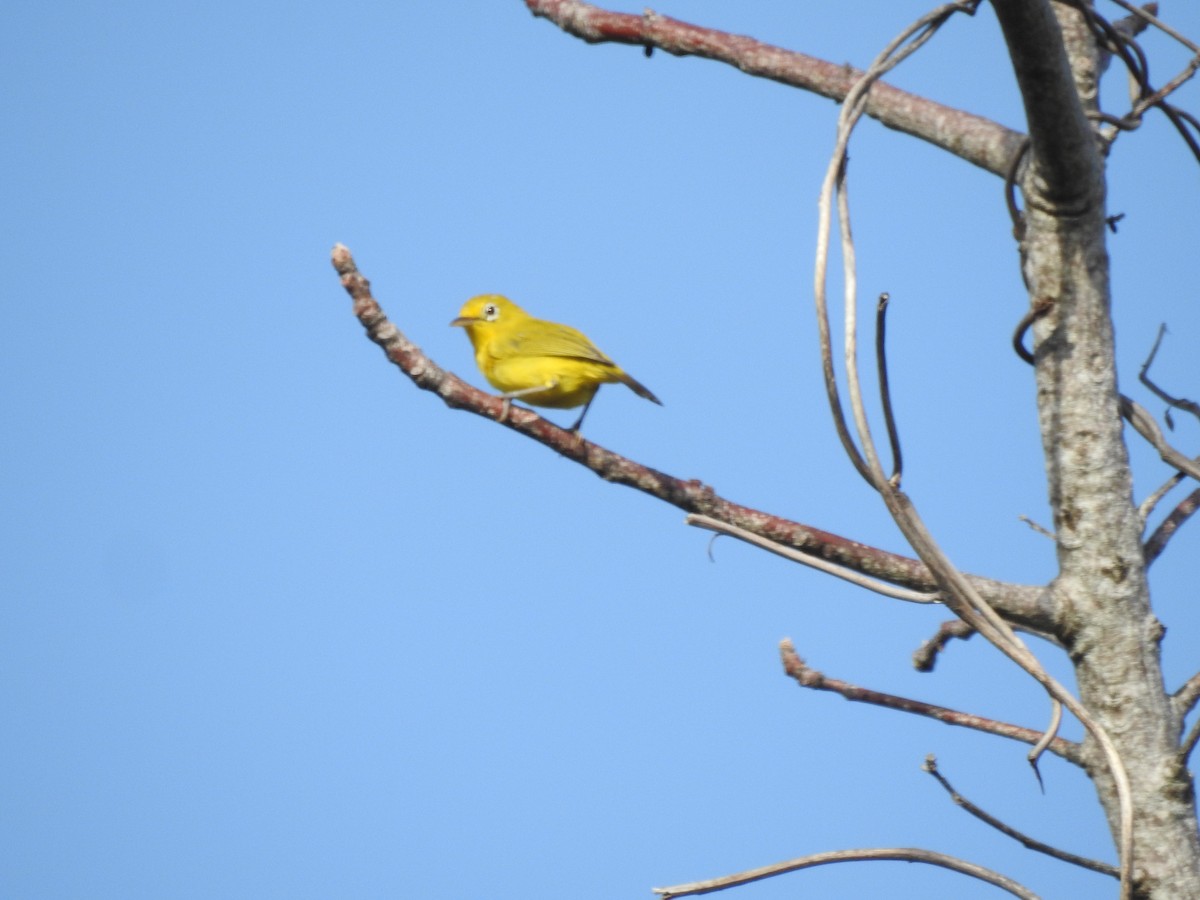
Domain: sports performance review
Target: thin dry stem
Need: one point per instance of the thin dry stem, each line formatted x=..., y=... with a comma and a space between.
x=900, y=854
x=1184, y=510
x=808, y=677
x=1040, y=529
x=1188, y=406
x=807, y=559
x=1143, y=423
x=1148, y=13
x=925, y=657
x=987, y=818
x=1187, y=696
x=885, y=390
x=1147, y=506
x=1189, y=743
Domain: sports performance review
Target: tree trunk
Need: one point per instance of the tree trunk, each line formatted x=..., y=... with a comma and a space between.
x=1106, y=621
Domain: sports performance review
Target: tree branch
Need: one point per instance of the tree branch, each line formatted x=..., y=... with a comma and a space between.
x=1157, y=542
x=1032, y=844
x=979, y=141
x=1143, y=423
x=1186, y=697
x=808, y=677
x=1147, y=506
x=926, y=655
x=805, y=559
x=870, y=854
x=1031, y=606
x=1148, y=13
x=1189, y=406
x=1064, y=154
x=1189, y=743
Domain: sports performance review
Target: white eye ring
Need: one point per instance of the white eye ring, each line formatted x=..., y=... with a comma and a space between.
x=490, y=313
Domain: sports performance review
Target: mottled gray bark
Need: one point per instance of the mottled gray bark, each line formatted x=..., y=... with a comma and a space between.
x=1106, y=621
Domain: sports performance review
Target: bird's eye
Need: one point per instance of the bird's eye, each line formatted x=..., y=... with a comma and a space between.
x=490, y=313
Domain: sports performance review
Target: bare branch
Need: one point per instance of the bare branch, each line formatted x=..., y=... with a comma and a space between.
x=1190, y=406
x=1040, y=529
x=980, y=141
x=808, y=677
x=900, y=48
x=1117, y=39
x=1137, y=22
x=1187, y=696
x=1064, y=153
x=1189, y=743
x=1147, y=506
x=1149, y=13
x=1124, y=32
x=885, y=393
x=1035, y=755
x=930, y=766
x=1167, y=527
x=900, y=854
x=1035, y=312
x=806, y=559
x=1184, y=700
x=1143, y=423
x=926, y=655
x=1029, y=606
x=1157, y=542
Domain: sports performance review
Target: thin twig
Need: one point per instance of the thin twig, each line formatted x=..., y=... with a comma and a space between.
x=1189, y=743
x=824, y=336
x=925, y=656
x=1183, y=511
x=1040, y=529
x=808, y=677
x=900, y=48
x=1190, y=406
x=815, y=562
x=1012, y=170
x=1143, y=423
x=1035, y=755
x=1187, y=696
x=1184, y=700
x=1147, y=506
x=1157, y=97
x=899, y=854
x=1120, y=42
x=1035, y=312
x=885, y=393
x=930, y=766
x=1149, y=13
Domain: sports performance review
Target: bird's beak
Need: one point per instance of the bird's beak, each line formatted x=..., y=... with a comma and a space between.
x=464, y=321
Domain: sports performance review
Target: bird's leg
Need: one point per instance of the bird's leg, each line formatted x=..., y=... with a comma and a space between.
x=579, y=421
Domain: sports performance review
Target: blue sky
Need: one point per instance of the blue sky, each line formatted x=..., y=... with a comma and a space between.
x=276, y=624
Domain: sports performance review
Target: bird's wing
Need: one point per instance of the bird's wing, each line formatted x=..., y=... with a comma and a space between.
x=562, y=340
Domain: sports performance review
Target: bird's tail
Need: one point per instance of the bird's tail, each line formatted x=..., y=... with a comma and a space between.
x=638, y=388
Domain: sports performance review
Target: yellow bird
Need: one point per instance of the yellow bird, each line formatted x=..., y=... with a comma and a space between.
x=542, y=363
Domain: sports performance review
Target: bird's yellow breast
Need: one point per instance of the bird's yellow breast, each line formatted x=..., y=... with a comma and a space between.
x=568, y=382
